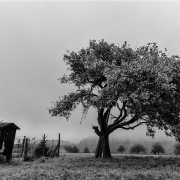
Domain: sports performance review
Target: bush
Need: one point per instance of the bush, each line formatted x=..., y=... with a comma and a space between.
x=177, y=149
x=121, y=149
x=157, y=148
x=28, y=158
x=86, y=150
x=39, y=149
x=71, y=149
x=136, y=148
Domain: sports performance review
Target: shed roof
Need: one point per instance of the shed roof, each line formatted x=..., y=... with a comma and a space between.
x=6, y=125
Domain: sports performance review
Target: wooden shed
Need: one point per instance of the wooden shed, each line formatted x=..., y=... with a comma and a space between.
x=7, y=136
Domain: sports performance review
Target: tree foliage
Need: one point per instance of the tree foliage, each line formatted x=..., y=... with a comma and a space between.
x=157, y=148
x=175, y=131
x=121, y=149
x=136, y=148
x=39, y=149
x=177, y=149
x=142, y=84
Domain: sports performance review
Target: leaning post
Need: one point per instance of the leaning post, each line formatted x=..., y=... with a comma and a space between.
x=23, y=145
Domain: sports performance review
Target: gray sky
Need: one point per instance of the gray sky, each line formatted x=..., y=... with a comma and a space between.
x=35, y=35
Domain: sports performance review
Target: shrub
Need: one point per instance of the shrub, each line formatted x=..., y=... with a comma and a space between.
x=157, y=148
x=28, y=158
x=177, y=149
x=136, y=148
x=121, y=149
x=71, y=149
x=86, y=150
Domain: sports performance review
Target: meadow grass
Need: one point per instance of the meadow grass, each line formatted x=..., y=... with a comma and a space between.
x=86, y=167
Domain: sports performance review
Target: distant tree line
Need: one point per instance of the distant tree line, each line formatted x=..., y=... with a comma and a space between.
x=137, y=148
x=157, y=148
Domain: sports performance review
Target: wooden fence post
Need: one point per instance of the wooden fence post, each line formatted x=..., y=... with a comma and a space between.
x=43, y=143
x=23, y=146
x=52, y=144
x=58, y=145
x=26, y=148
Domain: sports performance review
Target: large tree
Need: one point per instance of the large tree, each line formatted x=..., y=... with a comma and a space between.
x=139, y=83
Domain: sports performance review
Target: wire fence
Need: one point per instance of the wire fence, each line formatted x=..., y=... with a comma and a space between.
x=19, y=140
x=20, y=148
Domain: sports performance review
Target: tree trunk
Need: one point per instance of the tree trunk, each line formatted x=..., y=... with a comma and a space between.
x=103, y=149
x=106, y=148
x=98, y=152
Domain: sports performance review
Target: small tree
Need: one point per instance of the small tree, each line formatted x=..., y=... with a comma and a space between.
x=177, y=149
x=157, y=148
x=86, y=150
x=136, y=148
x=121, y=149
x=42, y=148
x=75, y=149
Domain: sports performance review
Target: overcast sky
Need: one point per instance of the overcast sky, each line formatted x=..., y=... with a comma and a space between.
x=34, y=36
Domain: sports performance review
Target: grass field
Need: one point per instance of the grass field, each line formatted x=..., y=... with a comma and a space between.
x=84, y=166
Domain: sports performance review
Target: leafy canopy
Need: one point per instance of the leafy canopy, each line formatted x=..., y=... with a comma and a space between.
x=136, y=148
x=121, y=149
x=157, y=148
x=142, y=83
x=177, y=149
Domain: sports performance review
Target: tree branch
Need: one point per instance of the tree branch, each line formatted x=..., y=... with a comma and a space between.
x=120, y=118
x=80, y=90
x=106, y=115
x=131, y=121
x=114, y=117
x=96, y=130
x=127, y=128
x=114, y=127
x=120, y=109
x=93, y=95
